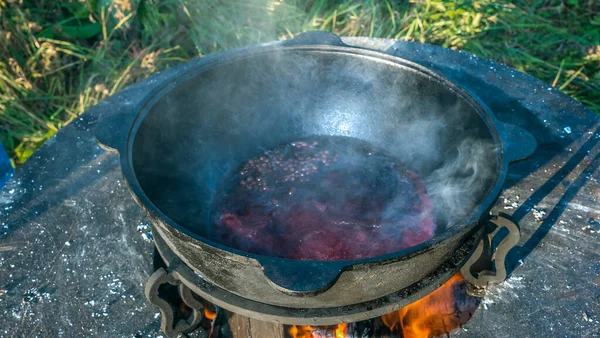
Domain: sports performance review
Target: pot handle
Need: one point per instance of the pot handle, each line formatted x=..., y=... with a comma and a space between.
x=517, y=143
x=302, y=278
x=478, y=268
x=315, y=38
x=171, y=322
x=113, y=127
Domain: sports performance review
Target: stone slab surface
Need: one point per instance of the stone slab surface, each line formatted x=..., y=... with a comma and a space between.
x=75, y=249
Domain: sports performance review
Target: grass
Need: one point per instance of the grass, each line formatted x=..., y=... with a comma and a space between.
x=58, y=58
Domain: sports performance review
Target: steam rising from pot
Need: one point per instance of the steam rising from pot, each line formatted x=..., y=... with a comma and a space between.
x=213, y=121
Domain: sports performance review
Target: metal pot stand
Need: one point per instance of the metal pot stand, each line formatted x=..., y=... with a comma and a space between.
x=475, y=258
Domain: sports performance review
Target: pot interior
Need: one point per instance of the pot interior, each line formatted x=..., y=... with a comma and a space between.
x=211, y=123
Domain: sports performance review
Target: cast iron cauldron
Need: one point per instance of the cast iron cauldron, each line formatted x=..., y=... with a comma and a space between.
x=229, y=106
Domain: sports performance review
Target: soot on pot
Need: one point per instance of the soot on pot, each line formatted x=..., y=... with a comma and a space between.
x=323, y=198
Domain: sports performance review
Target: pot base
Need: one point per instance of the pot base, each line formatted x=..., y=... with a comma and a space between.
x=177, y=273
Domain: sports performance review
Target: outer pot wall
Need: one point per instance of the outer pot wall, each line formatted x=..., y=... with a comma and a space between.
x=359, y=283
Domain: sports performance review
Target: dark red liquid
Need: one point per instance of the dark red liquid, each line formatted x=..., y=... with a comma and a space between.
x=330, y=198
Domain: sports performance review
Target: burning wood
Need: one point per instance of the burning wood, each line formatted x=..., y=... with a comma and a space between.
x=438, y=314
x=329, y=198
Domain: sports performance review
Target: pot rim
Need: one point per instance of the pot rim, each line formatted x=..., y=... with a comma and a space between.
x=470, y=223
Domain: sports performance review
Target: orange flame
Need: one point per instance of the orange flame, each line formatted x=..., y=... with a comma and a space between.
x=434, y=315
x=340, y=331
x=305, y=331
x=301, y=331
x=209, y=313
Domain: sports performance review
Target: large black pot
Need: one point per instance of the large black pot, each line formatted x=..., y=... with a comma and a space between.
x=228, y=106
